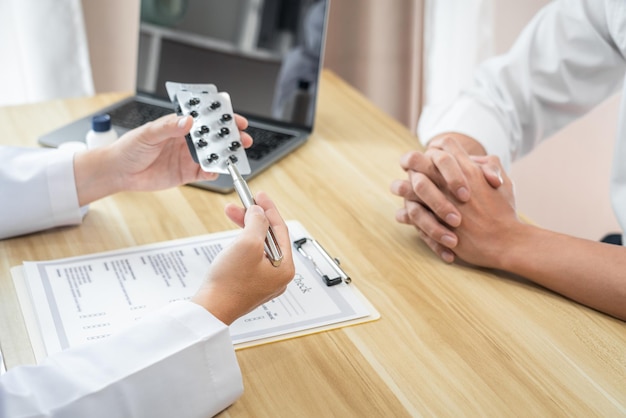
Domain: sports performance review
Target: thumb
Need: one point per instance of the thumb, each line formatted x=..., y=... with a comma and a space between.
x=166, y=127
x=255, y=223
x=491, y=170
x=493, y=176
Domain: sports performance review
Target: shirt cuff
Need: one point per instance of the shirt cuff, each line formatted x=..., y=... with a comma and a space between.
x=468, y=117
x=61, y=186
x=219, y=355
x=194, y=317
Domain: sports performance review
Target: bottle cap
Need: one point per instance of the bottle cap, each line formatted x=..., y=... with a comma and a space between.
x=101, y=123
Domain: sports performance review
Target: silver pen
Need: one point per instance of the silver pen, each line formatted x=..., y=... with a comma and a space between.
x=272, y=250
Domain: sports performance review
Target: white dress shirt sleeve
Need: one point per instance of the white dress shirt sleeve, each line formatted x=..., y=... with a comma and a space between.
x=37, y=190
x=178, y=362
x=563, y=64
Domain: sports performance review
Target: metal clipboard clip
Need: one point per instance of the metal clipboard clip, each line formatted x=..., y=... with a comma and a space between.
x=326, y=266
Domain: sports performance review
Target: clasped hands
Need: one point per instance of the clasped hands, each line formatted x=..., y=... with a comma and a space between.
x=462, y=205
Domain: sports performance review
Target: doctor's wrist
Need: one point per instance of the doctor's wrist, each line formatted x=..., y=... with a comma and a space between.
x=219, y=307
x=95, y=177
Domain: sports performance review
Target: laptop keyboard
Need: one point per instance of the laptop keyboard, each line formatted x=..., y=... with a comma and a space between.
x=134, y=114
x=265, y=142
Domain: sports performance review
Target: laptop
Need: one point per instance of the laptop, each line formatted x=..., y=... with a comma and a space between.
x=266, y=55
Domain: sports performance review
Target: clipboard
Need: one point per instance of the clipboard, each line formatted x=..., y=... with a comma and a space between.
x=313, y=263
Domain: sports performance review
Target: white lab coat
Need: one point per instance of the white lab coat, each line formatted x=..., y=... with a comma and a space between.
x=568, y=59
x=177, y=362
x=36, y=190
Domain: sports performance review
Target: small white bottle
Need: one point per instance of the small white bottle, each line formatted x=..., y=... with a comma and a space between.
x=101, y=133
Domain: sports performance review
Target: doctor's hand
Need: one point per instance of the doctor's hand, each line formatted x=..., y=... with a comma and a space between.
x=151, y=157
x=432, y=176
x=241, y=277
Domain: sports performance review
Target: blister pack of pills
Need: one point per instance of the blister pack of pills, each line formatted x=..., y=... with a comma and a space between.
x=214, y=137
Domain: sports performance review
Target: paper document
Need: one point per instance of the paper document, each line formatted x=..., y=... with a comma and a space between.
x=87, y=298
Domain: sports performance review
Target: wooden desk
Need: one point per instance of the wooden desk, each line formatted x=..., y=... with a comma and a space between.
x=452, y=340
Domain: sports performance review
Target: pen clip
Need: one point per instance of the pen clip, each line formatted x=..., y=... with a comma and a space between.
x=326, y=266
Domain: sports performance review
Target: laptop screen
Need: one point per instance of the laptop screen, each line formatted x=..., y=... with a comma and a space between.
x=266, y=54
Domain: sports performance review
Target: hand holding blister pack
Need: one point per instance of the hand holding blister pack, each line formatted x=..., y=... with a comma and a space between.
x=215, y=143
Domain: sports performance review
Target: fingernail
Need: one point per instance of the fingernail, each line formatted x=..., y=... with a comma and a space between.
x=182, y=121
x=447, y=256
x=500, y=178
x=463, y=194
x=256, y=209
x=453, y=219
x=448, y=241
x=404, y=160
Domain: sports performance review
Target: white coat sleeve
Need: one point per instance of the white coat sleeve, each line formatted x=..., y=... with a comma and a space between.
x=37, y=190
x=178, y=362
x=563, y=64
